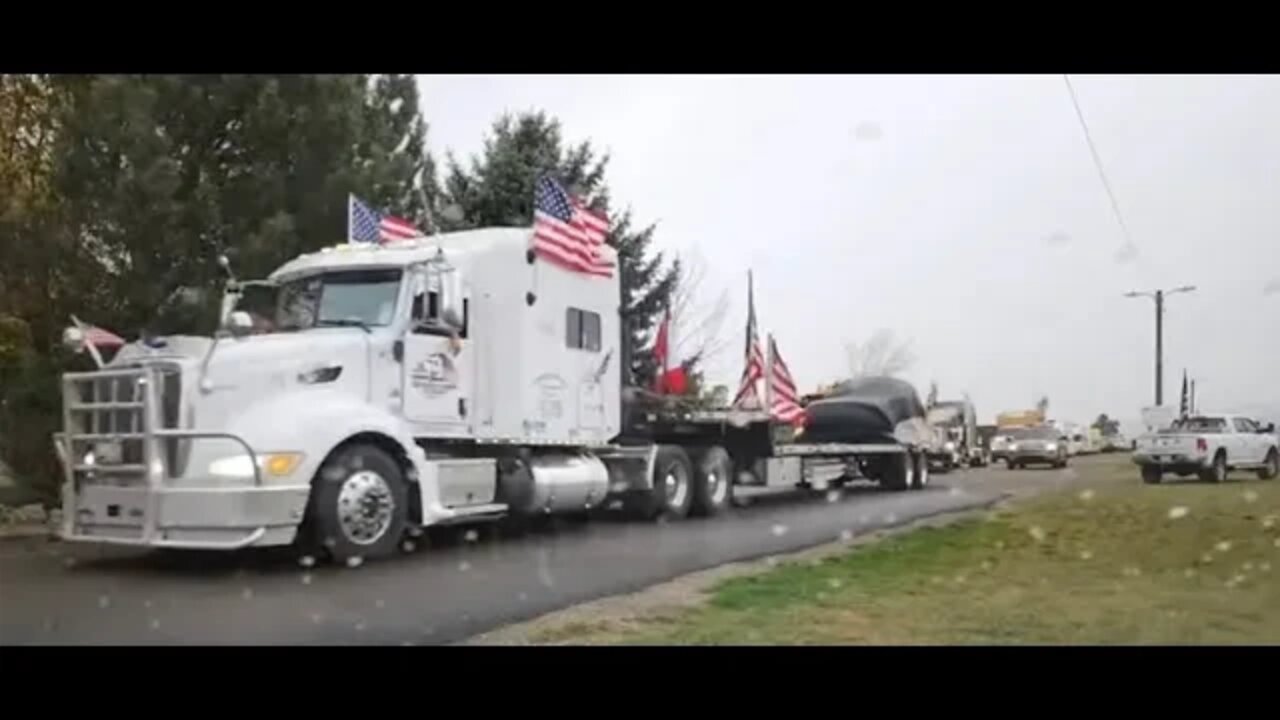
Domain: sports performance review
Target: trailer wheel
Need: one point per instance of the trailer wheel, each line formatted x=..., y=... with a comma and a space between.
x=922, y=471
x=671, y=494
x=359, y=504
x=899, y=472
x=712, y=482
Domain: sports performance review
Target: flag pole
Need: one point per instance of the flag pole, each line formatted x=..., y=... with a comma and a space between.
x=350, y=204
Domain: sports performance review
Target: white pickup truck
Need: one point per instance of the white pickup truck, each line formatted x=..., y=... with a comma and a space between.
x=1209, y=446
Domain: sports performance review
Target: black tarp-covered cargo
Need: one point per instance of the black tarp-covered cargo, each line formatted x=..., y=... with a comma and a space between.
x=866, y=410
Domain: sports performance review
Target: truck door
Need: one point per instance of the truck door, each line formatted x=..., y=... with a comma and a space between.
x=437, y=359
x=1251, y=448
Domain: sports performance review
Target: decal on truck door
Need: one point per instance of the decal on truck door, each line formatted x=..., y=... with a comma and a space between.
x=434, y=375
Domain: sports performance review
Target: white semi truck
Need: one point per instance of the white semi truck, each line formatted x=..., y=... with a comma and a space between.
x=451, y=379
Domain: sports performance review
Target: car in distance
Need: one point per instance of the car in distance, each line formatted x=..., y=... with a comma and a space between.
x=1039, y=445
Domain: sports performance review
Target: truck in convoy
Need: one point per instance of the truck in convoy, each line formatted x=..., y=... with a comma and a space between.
x=1208, y=446
x=362, y=392
x=957, y=422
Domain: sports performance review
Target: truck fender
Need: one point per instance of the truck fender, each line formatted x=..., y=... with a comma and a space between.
x=316, y=422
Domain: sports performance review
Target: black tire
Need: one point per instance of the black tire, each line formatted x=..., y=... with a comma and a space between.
x=1151, y=474
x=357, y=483
x=666, y=500
x=899, y=472
x=920, y=478
x=1012, y=464
x=1217, y=472
x=1270, y=467
x=712, y=482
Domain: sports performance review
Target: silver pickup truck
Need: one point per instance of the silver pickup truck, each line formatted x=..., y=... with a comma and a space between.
x=1209, y=446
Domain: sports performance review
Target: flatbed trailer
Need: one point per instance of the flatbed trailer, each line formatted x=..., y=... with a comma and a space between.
x=766, y=453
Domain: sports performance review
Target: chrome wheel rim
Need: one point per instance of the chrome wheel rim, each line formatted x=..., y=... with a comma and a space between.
x=719, y=487
x=365, y=507
x=676, y=485
x=924, y=473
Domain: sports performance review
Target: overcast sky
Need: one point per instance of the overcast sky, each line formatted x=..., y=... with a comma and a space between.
x=962, y=212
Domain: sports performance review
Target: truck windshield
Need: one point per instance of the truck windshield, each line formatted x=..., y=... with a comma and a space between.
x=347, y=297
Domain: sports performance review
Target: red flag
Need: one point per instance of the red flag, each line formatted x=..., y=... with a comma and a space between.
x=661, y=350
x=674, y=381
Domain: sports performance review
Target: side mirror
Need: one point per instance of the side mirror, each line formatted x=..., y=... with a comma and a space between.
x=451, y=298
x=1270, y=428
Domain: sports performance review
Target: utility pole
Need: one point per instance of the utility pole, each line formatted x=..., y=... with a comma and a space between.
x=1159, y=296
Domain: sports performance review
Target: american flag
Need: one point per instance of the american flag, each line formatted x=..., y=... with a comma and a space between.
x=566, y=232
x=366, y=225
x=92, y=338
x=785, y=405
x=748, y=396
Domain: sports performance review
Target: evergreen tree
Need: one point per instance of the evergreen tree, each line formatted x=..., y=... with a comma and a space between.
x=165, y=172
x=400, y=175
x=497, y=190
x=130, y=187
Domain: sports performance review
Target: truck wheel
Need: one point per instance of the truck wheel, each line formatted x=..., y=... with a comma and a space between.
x=1217, y=472
x=1151, y=474
x=1271, y=467
x=1013, y=464
x=712, y=482
x=921, y=471
x=359, y=504
x=899, y=472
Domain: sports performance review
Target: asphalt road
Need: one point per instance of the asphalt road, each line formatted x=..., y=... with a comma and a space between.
x=462, y=583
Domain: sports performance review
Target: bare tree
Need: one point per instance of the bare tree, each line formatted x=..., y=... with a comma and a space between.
x=698, y=319
x=881, y=354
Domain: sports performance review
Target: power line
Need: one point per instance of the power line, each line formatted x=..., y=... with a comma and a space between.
x=1097, y=161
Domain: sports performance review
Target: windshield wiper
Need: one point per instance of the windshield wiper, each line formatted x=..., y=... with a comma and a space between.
x=346, y=322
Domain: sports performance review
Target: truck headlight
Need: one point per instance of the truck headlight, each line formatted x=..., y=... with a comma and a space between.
x=1051, y=447
x=277, y=464
x=950, y=446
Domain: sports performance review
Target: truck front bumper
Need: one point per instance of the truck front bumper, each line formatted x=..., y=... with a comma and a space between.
x=1046, y=458
x=209, y=518
x=193, y=513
